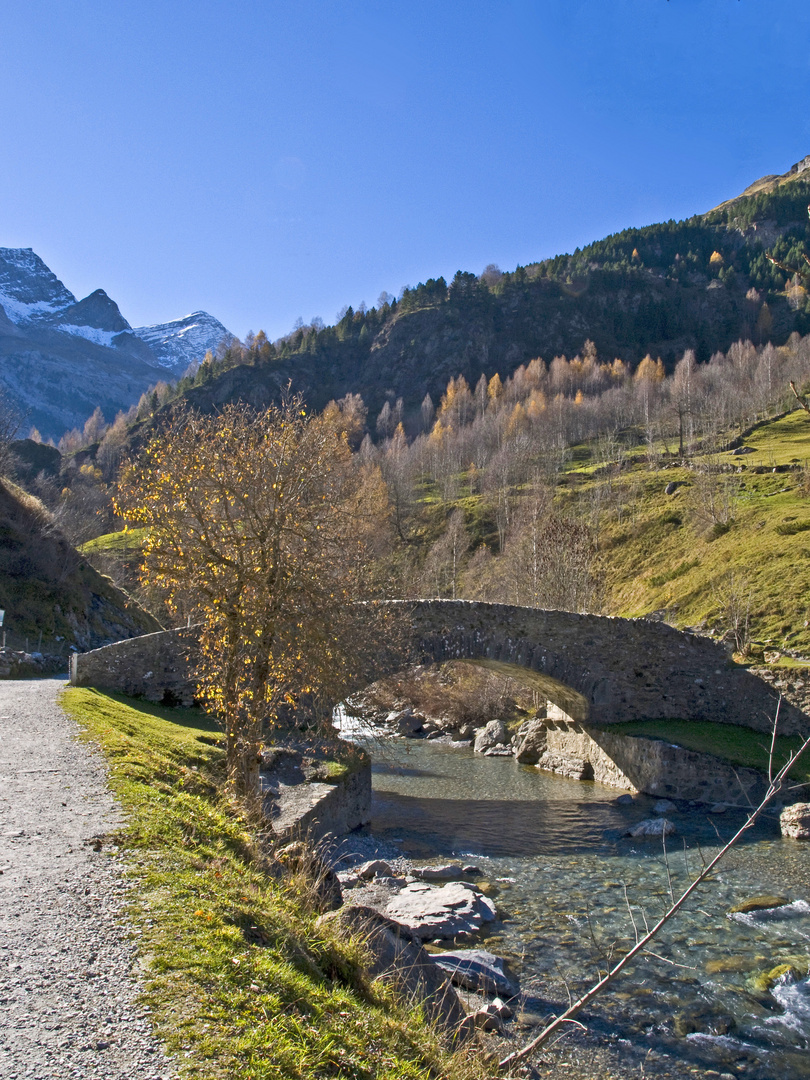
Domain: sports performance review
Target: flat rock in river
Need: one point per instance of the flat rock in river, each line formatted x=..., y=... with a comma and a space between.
x=445, y=872
x=430, y=912
x=477, y=969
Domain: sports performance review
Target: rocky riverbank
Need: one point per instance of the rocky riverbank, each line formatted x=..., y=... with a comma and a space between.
x=553, y=741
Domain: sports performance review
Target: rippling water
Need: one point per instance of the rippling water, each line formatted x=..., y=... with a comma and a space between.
x=569, y=889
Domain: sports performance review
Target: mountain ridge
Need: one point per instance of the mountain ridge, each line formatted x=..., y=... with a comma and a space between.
x=767, y=184
x=699, y=284
x=61, y=357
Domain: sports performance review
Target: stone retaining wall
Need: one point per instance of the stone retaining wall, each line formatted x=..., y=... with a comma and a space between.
x=652, y=766
x=314, y=809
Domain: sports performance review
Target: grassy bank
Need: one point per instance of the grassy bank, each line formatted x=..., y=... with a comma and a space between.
x=240, y=980
x=736, y=745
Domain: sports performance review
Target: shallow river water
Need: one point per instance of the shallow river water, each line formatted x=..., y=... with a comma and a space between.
x=568, y=889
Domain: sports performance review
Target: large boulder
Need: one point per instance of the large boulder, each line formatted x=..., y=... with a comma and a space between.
x=492, y=736
x=794, y=821
x=406, y=722
x=402, y=963
x=530, y=742
x=429, y=912
x=477, y=969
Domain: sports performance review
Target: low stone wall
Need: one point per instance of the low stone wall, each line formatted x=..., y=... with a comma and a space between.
x=157, y=667
x=314, y=809
x=651, y=766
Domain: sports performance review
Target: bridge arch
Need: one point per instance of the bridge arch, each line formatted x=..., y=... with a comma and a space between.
x=624, y=669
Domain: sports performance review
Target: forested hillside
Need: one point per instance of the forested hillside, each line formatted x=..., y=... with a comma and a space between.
x=699, y=284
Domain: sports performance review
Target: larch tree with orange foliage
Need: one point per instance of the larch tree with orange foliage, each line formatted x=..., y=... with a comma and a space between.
x=261, y=522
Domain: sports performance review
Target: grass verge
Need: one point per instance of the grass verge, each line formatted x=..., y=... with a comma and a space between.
x=736, y=745
x=240, y=980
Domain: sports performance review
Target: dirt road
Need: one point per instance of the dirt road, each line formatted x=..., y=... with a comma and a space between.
x=67, y=987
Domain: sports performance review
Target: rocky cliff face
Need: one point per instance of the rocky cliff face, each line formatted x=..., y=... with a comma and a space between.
x=61, y=357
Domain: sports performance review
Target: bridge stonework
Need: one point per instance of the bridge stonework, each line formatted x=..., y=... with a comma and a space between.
x=624, y=669
x=620, y=669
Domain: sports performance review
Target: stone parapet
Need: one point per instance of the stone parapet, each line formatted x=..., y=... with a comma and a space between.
x=158, y=667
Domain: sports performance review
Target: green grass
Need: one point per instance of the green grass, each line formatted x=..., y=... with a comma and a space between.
x=653, y=563
x=737, y=745
x=126, y=542
x=790, y=662
x=240, y=979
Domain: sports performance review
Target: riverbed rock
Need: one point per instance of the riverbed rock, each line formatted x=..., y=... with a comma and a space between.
x=764, y=981
x=758, y=903
x=429, y=912
x=705, y=1020
x=487, y=1018
x=794, y=821
x=624, y=800
x=447, y=872
x=405, y=965
x=530, y=742
x=494, y=734
x=504, y=1011
x=406, y=722
x=374, y=868
x=478, y=969
x=664, y=806
x=651, y=827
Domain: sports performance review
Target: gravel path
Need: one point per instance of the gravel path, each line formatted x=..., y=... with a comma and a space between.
x=67, y=988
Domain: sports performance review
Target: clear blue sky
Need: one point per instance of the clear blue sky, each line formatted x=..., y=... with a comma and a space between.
x=267, y=160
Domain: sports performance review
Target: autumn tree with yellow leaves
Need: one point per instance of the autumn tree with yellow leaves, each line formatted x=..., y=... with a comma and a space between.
x=259, y=525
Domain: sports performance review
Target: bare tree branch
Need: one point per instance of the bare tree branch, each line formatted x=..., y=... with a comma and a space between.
x=799, y=397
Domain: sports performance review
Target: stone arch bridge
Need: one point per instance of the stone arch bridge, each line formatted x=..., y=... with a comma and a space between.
x=605, y=670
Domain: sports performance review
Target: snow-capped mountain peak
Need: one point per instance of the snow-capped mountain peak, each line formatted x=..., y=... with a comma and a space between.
x=177, y=343
x=61, y=357
x=29, y=291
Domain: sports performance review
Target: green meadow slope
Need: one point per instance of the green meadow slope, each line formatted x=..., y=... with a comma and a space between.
x=666, y=555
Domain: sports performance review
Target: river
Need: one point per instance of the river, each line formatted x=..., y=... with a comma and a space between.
x=569, y=888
